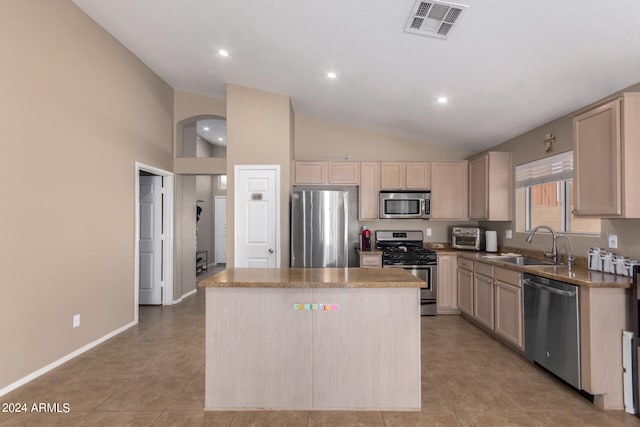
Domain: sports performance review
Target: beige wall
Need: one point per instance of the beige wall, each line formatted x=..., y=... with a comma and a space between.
x=77, y=111
x=317, y=139
x=528, y=147
x=259, y=133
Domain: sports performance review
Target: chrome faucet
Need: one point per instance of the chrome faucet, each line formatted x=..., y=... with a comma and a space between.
x=570, y=258
x=554, y=248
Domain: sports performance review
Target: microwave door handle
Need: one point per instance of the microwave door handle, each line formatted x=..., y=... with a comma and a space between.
x=423, y=207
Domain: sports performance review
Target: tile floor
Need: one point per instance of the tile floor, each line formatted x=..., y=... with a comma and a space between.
x=153, y=374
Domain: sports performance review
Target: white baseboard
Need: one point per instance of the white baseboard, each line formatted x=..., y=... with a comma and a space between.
x=50, y=366
x=185, y=295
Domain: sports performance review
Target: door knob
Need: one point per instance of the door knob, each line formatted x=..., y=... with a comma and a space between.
x=270, y=250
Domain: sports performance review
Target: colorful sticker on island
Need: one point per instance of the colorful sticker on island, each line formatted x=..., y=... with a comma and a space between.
x=323, y=307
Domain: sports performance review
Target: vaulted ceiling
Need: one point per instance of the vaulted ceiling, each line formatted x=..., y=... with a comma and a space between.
x=505, y=67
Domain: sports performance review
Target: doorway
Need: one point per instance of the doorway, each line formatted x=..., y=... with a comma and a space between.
x=153, y=254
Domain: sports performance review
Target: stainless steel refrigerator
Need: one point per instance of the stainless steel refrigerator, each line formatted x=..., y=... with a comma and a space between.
x=324, y=226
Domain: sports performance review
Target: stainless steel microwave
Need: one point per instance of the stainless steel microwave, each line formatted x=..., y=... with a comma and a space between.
x=405, y=204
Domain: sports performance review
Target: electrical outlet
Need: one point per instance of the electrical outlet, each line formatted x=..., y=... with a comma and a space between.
x=76, y=320
x=428, y=232
x=508, y=234
x=613, y=241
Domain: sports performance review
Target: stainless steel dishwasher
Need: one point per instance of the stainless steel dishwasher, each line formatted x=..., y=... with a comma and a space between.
x=552, y=326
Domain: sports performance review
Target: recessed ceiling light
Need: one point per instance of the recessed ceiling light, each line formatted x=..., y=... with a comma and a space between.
x=442, y=100
x=223, y=52
x=332, y=75
x=220, y=139
x=206, y=129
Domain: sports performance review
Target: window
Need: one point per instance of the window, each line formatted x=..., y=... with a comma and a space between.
x=545, y=195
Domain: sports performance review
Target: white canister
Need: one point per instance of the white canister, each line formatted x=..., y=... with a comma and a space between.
x=491, y=241
x=605, y=262
x=617, y=265
x=628, y=267
x=594, y=258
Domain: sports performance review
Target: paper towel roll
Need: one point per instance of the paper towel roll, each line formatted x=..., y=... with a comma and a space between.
x=492, y=241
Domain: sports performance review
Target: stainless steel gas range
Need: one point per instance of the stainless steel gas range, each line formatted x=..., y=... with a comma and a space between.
x=403, y=249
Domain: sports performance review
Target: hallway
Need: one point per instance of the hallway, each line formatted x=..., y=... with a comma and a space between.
x=153, y=374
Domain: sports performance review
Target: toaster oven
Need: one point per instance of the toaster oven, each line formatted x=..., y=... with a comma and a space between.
x=470, y=238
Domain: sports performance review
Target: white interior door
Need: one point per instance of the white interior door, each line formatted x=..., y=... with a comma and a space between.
x=257, y=216
x=220, y=229
x=150, y=291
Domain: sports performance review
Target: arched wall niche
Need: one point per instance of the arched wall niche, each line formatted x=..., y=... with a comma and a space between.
x=202, y=136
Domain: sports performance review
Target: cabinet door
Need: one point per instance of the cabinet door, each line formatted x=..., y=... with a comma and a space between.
x=447, y=286
x=392, y=175
x=449, y=188
x=597, y=155
x=368, y=191
x=465, y=291
x=478, y=188
x=508, y=319
x=418, y=175
x=483, y=300
x=311, y=173
x=344, y=173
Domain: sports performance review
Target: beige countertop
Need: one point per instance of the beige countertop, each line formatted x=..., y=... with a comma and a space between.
x=312, y=278
x=578, y=275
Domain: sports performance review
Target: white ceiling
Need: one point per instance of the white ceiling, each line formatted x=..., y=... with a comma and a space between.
x=507, y=67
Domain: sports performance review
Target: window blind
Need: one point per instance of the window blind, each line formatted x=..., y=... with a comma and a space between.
x=550, y=169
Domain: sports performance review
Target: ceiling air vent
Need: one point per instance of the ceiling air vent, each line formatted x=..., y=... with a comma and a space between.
x=434, y=19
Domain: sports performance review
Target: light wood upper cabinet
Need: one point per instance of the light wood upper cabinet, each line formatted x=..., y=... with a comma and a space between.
x=491, y=186
x=312, y=173
x=405, y=175
x=447, y=285
x=449, y=190
x=418, y=175
x=392, y=175
x=369, y=189
x=606, y=147
x=347, y=173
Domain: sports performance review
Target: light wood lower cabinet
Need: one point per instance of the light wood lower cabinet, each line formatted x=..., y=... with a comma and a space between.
x=447, y=285
x=508, y=306
x=465, y=287
x=371, y=259
x=492, y=297
x=483, y=300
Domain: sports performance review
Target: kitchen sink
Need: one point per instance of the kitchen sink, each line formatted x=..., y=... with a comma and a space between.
x=520, y=260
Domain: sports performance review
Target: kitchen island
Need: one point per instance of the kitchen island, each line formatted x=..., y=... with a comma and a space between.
x=313, y=338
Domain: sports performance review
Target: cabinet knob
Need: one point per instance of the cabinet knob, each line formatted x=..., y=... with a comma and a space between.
x=270, y=251
x=573, y=211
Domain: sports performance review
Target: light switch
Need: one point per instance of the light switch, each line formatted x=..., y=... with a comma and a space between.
x=613, y=241
x=508, y=234
x=428, y=232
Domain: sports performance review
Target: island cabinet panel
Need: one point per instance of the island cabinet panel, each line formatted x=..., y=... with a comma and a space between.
x=242, y=361
x=375, y=361
x=369, y=189
x=266, y=351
